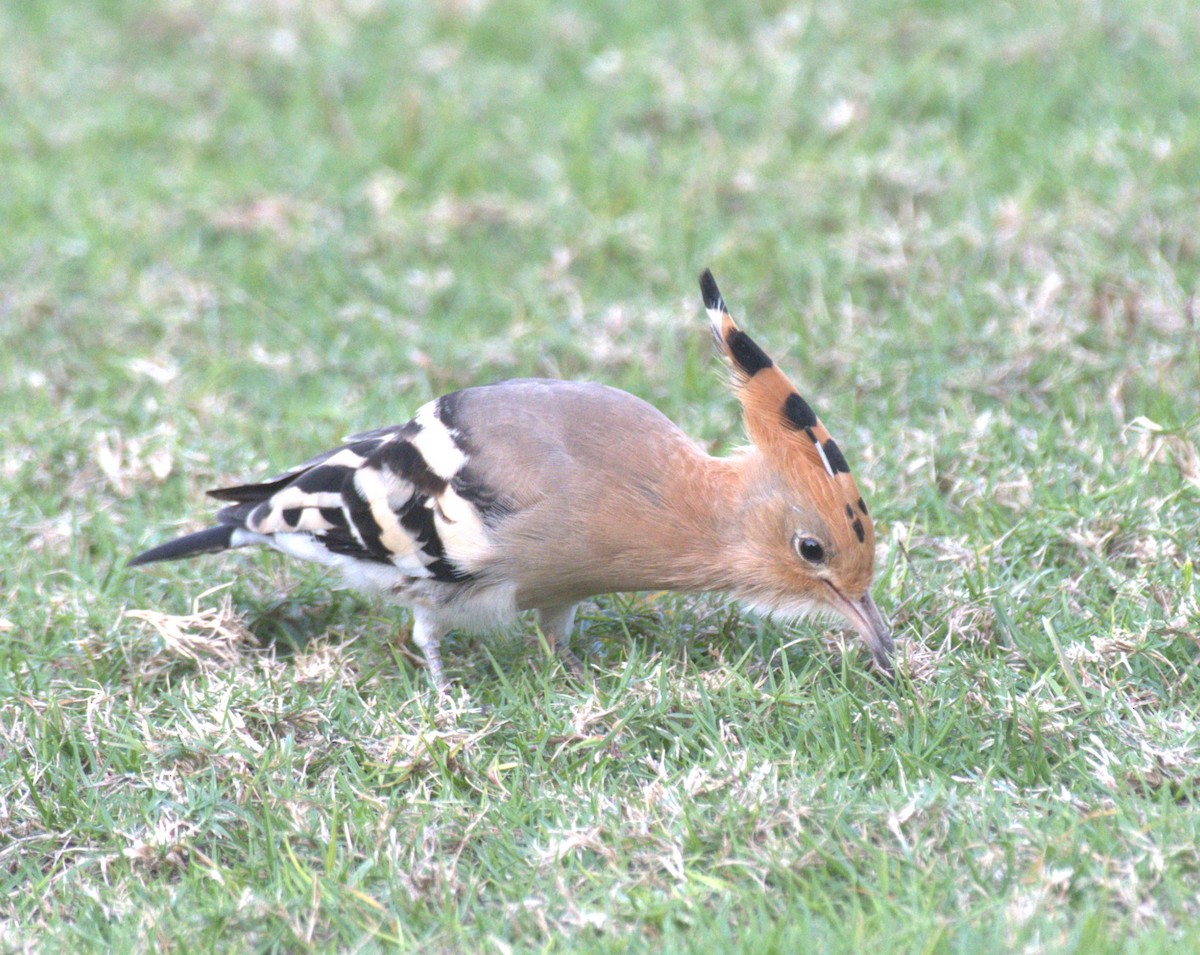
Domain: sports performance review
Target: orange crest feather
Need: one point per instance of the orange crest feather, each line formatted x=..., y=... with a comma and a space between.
x=782, y=425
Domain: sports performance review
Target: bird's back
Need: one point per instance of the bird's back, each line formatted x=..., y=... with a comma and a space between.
x=524, y=436
x=581, y=474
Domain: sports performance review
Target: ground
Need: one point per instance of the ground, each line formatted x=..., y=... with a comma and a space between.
x=235, y=231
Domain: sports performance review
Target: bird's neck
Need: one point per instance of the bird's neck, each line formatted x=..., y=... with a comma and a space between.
x=676, y=520
x=695, y=539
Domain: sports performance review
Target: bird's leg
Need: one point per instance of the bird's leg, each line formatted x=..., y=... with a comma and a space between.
x=556, y=624
x=427, y=635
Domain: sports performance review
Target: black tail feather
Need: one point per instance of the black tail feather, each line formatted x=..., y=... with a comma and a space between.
x=202, y=542
x=245, y=493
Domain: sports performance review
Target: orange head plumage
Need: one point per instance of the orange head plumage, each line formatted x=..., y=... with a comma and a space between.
x=815, y=541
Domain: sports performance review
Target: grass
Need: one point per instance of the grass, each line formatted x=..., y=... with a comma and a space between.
x=233, y=232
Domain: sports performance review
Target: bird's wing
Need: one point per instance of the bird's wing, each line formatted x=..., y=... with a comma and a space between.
x=401, y=496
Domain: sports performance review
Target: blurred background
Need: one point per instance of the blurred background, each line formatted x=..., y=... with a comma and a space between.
x=232, y=231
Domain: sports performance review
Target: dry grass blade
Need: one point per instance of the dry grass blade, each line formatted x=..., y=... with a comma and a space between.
x=208, y=636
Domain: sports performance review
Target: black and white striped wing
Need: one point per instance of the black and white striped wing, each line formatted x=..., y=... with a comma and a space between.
x=386, y=497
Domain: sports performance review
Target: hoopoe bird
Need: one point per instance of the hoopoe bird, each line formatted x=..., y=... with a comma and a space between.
x=534, y=494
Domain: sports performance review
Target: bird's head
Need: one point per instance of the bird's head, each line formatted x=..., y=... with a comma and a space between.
x=808, y=539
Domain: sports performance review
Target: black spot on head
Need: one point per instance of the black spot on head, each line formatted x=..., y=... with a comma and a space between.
x=710, y=293
x=812, y=435
x=291, y=515
x=862, y=506
x=836, y=460
x=749, y=358
x=849, y=512
x=859, y=531
x=798, y=414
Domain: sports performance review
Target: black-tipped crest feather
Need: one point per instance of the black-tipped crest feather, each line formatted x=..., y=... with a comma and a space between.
x=746, y=355
x=710, y=292
x=798, y=414
x=836, y=459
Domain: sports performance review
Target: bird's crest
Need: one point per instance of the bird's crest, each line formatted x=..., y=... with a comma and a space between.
x=783, y=426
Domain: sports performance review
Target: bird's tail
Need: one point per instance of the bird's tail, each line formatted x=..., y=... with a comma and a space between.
x=207, y=541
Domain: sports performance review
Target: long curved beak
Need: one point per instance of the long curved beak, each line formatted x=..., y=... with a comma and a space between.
x=865, y=617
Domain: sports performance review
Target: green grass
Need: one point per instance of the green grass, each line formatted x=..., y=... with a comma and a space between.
x=233, y=232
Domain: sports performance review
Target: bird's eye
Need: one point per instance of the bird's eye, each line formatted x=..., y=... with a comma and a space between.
x=810, y=549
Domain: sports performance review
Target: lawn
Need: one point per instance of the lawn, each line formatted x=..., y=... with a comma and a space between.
x=234, y=231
